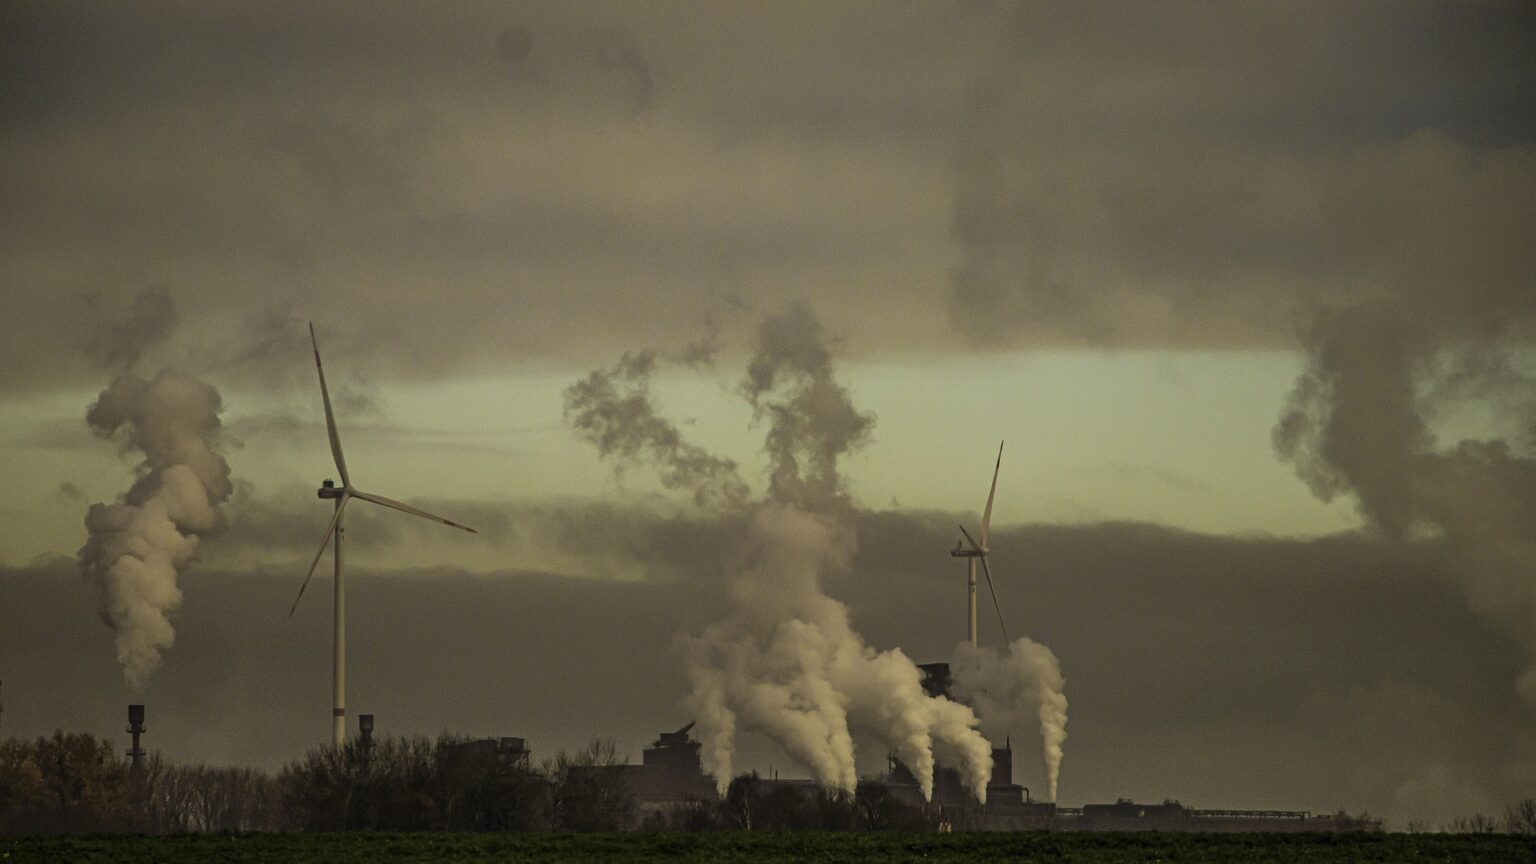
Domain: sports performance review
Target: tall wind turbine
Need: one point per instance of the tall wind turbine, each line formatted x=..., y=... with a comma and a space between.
x=979, y=551
x=341, y=495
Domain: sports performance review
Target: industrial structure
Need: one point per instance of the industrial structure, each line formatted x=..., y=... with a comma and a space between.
x=135, y=729
x=670, y=778
x=670, y=782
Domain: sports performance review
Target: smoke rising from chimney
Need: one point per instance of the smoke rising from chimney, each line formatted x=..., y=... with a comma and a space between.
x=785, y=660
x=135, y=545
x=1009, y=691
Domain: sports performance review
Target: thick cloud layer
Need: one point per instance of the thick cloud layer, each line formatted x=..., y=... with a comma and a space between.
x=1359, y=423
x=1341, y=672
x=486, y=185
x=1189, y=176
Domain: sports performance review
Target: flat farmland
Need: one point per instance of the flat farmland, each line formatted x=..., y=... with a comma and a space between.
x=1087, y=848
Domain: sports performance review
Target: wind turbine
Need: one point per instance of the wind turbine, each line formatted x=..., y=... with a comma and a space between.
x=980, y=551
x=341, y=495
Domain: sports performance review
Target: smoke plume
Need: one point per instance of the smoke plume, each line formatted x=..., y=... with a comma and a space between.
x=612, y=409
x=785, y=660
x=136, y=545
x=1009, y=691
x=812, y=421
x=1359, y=422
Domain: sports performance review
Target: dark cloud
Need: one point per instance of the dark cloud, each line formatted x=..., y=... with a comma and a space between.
x=1358, y=423
x=513, y=44
x=458, y=192
x=117, y=341
x=1338, y=672
x=378, y=170
x=1188, y=176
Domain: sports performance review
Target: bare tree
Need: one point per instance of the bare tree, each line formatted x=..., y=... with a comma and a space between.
x=589, y=791
x=1520, y=817
x=1477, y=823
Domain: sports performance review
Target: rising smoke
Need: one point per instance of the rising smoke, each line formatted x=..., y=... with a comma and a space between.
x=612, y=409
x=136, y=545
x=1359, y=422
x=784, y=660
x=1005, y=690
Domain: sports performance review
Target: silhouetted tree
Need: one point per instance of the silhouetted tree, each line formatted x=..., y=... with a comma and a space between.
x=877, y=810
x=742, y=800
x=84, y=785
x=488, y=790
x=21, y=785
x=588, y=791
x=1520, y=817
x=1477, y=823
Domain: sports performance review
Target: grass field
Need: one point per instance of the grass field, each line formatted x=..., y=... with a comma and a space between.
x=1088, y=848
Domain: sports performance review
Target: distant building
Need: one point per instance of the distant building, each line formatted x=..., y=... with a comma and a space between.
x=1127, y=815
x=670, y=773
x=511, y=750
x=670, y=779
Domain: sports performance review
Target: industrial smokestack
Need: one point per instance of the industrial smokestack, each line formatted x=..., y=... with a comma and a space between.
x=136, y=728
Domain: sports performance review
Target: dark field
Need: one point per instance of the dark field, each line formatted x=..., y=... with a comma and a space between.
x=1062, y=847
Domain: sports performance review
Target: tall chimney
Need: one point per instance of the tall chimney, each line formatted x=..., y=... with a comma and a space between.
x=136, y=728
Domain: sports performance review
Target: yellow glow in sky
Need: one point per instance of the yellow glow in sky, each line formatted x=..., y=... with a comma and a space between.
x=1178, y=438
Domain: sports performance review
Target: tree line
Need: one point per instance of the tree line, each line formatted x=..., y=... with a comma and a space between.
x=75, y=783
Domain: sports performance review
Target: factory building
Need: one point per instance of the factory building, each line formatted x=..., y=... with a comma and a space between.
x=670, y=779
x=670, y=774
x=1126, y=815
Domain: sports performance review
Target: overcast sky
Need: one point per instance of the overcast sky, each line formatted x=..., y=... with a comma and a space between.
x=1249, y=290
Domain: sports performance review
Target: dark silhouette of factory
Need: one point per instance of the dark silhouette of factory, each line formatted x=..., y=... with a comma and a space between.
x=670, y=781
x=670, y=778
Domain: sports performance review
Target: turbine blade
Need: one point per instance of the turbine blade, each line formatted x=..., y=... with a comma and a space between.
x=969, y=539
x=330, y=531
x=986, y=516
x=330, y=418
x=995, y=605
x=406, y=508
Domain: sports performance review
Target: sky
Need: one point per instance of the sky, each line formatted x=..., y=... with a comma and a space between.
x=1247, y=290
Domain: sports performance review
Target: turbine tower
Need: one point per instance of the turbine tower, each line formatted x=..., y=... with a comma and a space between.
x=979, y=551
x=341, y=495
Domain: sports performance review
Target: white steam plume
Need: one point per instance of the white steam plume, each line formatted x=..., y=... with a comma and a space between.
x=136, y=545
x=786, y=661
x=1010, y=691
